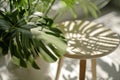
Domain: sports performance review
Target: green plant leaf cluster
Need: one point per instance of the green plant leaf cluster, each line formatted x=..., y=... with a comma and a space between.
x=27, y=35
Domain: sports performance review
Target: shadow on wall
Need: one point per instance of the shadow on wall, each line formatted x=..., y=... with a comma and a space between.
x=113, y=73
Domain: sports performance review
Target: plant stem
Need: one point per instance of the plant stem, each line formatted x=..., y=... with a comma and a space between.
x=29, y=10
x=49, y=7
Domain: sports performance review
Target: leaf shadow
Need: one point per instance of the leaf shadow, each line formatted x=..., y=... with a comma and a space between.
x=70, y=66
x=112, y=72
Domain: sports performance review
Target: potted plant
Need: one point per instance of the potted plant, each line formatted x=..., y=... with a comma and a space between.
x=26, y=34
x=26, y=31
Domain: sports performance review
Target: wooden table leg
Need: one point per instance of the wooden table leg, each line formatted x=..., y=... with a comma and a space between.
x=93, y=61
x=82, y=70
x=59, y=68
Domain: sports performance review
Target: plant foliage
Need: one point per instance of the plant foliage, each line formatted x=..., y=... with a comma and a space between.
x=26, y=31
x=27, y=35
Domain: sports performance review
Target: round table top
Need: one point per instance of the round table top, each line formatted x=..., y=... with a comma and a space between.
x=88, y=39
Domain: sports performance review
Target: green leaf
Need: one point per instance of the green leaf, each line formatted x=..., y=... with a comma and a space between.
x=73, y=12
x=23, y=63
x=46, y=56
x=46, y=49
x=93, y=10
x=56, y=51
x=69, y=3
x=15, y=60
x=31, y=62
x=50, y=39
x=4, y=24
x=34, y=65
x=19, y=62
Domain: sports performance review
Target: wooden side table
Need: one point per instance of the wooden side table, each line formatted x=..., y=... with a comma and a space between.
x=87, y=40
